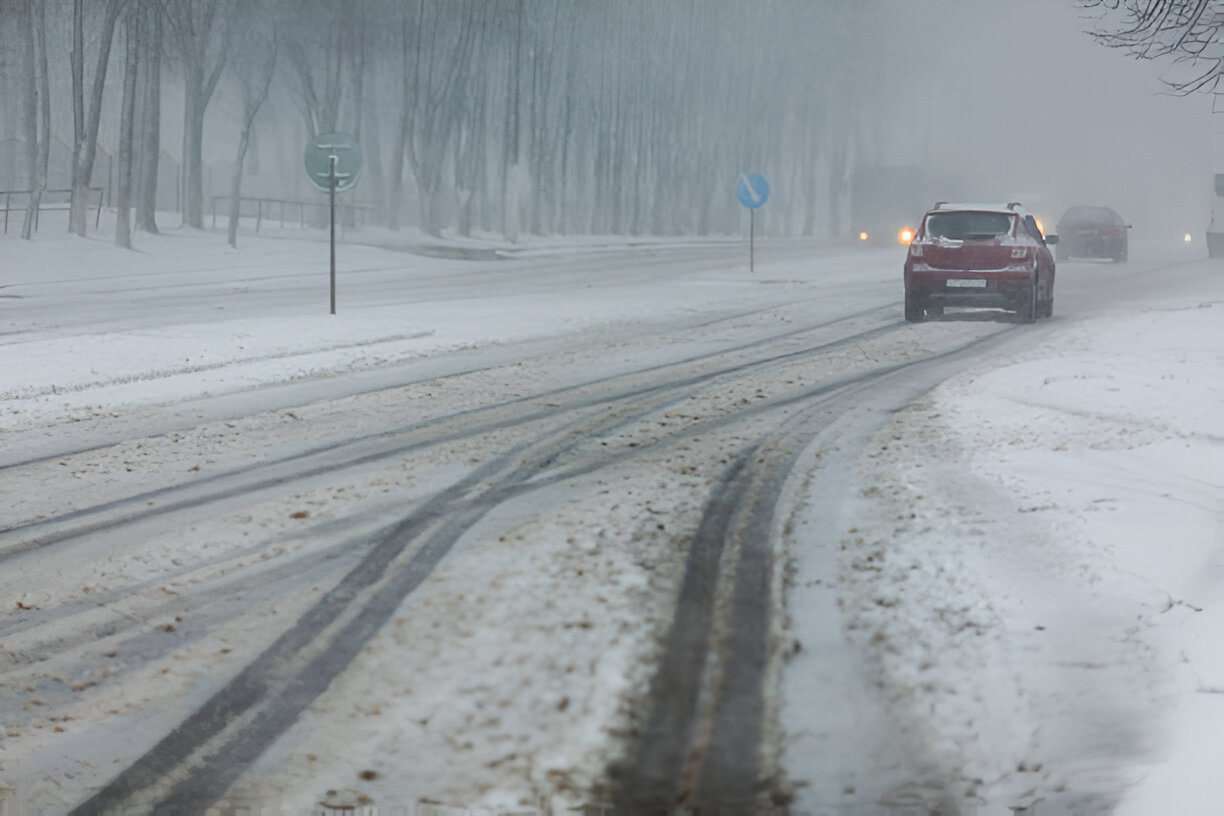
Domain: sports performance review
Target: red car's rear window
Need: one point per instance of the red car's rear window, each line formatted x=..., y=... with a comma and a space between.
x=968, y=226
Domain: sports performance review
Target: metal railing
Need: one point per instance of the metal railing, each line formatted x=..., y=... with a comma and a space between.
x=287, y=211
x=60, y=200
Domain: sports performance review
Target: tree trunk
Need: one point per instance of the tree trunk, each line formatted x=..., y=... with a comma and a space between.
x=373, y=151
x=199, y=81
x=193, y=159
x=123, y=192
x=85, y=145
x=150, y=127
x=428, y=176
x=44, y=97
x=235, y=201
x=251, y=107
x=78, y=113
x=472, y=143
x=395, y=194
x=30, y=106
x=510, y=158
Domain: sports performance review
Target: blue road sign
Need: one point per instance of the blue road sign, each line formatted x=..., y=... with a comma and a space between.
x=752, y=190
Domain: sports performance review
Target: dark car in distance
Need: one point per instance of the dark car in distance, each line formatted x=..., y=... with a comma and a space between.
x=979, y=255
x=1092, y=232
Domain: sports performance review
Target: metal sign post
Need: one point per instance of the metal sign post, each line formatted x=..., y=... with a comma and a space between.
x=331, y=200
x=752, y=191
x=333, y=164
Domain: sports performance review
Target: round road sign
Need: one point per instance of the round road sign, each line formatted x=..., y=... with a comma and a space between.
x=752, y=190
x=318, y=160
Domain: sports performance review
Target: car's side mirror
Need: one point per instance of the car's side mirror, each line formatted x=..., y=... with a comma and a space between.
x=1051, y=240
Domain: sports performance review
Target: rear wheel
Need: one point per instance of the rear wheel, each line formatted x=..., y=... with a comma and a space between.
x=913, y=307
x=1030, y=307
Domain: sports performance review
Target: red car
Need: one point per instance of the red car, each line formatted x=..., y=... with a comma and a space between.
x=979, y=255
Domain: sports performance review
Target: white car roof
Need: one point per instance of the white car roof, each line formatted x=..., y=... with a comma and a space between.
x=948, y=206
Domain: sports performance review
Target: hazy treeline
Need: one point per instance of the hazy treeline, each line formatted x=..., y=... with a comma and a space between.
x=540, y=116
x=504, y=116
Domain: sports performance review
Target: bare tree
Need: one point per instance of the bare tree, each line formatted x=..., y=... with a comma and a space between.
x=253, y=64
x=316, y=52
x=149, y=154
x=1188, y=32
x=532, y=115
x=29, y=101
x=85, y=131
x=400, y=139
x=202, y=35
x=127, y=119
x=442, y=47
x=38, y=112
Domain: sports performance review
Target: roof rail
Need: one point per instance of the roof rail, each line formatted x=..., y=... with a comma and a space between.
x=1011, y=205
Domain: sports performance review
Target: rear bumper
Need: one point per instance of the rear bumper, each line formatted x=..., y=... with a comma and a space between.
x=984, y=299
x=999, y=287
x=1093, y=247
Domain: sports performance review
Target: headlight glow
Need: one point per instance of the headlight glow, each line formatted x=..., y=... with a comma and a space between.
x=863, y=236
x=905, y=235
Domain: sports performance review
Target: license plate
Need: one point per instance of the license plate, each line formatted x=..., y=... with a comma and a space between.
x=977, y=283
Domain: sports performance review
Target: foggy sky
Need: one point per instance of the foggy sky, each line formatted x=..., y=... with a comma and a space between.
x=1000, y=99
x=1016, y=101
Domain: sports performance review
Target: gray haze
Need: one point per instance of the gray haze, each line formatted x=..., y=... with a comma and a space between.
x=632, y=117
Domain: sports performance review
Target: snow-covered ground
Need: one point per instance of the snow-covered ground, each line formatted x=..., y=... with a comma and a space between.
x=1032, y=569
x=1028, y=573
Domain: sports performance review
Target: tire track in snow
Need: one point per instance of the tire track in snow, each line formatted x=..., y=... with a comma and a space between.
x=701, y=743
x=244, y=718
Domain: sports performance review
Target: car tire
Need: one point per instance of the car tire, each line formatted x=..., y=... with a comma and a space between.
x=914, y=309
x=1046, y=304
x=1030, y=307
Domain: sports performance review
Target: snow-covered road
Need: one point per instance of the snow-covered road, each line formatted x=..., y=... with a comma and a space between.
x=210, y=483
